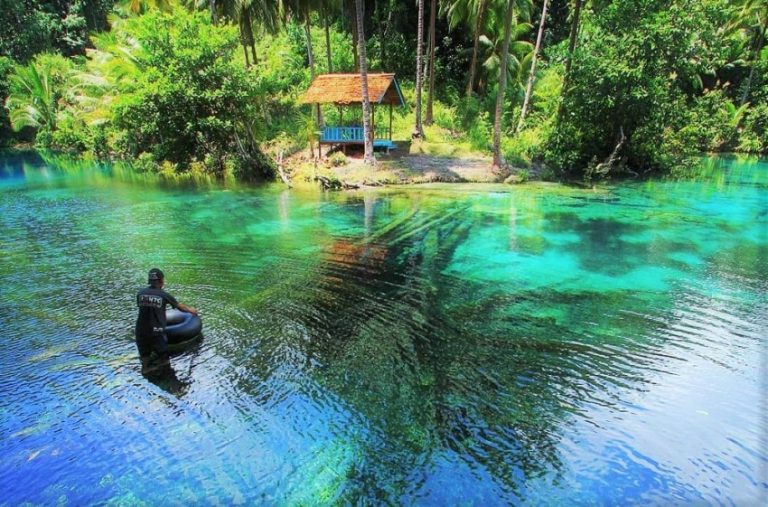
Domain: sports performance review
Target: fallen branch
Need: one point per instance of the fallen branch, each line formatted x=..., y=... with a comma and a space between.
x=609, y=163
x=327, y=183
x=280, y=171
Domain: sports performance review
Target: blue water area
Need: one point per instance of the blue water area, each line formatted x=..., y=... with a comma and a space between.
x=430, y=345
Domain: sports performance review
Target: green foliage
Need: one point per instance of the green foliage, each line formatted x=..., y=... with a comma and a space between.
x=338, y=159
x=714, y=122
x=522, y=149
x=754, y=138
x=186, y=102
x=178, y=93
x=546, y=94
x=279, y=77
x=145, y=163
x=34, y=26
x=6, y=67
x=635, y=64
x=70, y=136
x=475, y=120
x=35, y=92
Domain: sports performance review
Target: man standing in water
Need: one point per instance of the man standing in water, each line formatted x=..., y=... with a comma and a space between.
x=150, y=325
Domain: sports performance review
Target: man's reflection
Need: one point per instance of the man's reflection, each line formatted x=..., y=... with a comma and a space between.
x=164, y=376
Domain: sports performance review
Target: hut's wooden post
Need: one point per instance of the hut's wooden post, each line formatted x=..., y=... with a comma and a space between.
x=319, y=134
x=390, y=122
x=341, y=130
x=373, y=122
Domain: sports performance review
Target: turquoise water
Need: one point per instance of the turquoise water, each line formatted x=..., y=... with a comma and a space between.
x=431, y=345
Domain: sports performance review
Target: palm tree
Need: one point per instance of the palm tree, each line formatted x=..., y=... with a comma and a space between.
x=498, y=159
x=214, y=14
x=367, y=134
x=300, y=11
x=532, y=74
x=351, y=9
x=754, y=15
x=141, y=6
x=575, y=15
x=246, y=13
x=116, y=62
x=473, y=14
x=418, y=131
x=518, y=53
x=431, y=61
x=33, y=98
x=246, y=31
x=305, y=7
x=204, y=4
x=482, y=6
x=324, y=11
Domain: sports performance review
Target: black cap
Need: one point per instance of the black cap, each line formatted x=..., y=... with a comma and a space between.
x=155, y=275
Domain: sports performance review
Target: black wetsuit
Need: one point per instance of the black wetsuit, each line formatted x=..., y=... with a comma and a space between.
x=150, y=325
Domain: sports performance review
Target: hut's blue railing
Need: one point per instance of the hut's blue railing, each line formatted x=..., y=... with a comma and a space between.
x=340, y=135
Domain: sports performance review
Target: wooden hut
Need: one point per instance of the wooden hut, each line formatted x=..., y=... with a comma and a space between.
x=345, y=90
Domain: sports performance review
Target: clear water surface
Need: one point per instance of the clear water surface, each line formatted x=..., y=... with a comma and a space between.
x=434, y=345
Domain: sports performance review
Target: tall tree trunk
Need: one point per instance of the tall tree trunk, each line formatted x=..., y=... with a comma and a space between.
x=532, y=74
x=476, y=46
x=246, y=34
x=327, y=37
x=367, y=134
x=214, y=14
x=390, y=10
x=310, y=52
x=569, y=58
x=353, y=25
x=573, y=36
x=431, y=73
x=418, y=131
x=382, y=46
x=755, y=56
x=251, y=38
x=311, y=57
x=498, y=159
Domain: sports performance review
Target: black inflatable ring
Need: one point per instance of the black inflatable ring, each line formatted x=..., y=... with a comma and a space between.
x=181, y=327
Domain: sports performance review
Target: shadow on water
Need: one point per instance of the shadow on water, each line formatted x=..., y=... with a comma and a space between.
x=435, y=367
x=166, y=377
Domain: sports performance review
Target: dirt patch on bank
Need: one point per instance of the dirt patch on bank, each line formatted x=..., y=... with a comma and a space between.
x=402, y=168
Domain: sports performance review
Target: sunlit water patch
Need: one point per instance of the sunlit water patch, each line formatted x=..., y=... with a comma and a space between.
x=428, y=345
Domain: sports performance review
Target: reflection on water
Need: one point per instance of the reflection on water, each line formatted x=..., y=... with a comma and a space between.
x=430, y=345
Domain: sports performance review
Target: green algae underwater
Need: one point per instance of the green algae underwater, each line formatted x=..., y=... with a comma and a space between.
x=429, y=345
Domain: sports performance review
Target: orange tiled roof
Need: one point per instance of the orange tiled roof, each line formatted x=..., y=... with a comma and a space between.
x=347, y=89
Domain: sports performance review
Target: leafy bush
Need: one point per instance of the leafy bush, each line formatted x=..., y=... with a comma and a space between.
x=187, y=102
x=338, y=159
x=522, y=148
x=6, y=67
x=445, y=116
x=634, y=66
x=70, y=135
x=145, y=163
x=36, y=91
x=754, y=138
x=714, y=122
x=34, y=26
